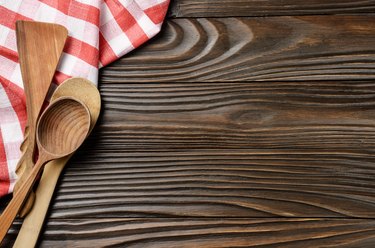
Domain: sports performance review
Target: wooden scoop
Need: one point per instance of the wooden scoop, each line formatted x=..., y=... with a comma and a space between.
x=39, y=48
x=62, y=128
x=86, y=92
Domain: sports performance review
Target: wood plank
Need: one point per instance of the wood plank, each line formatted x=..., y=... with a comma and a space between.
x=303, y=149
x=209, y=233
x=255, y=49
x=284, y=115
x=223, y=232
x=217, y=183
x=229, y=8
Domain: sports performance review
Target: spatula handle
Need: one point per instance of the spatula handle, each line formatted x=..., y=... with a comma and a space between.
x=24, y=166
x=10, y=212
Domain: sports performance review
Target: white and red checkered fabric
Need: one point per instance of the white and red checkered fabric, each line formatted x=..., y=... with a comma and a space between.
x=100, y=31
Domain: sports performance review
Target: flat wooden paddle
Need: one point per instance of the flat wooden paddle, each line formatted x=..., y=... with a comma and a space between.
x=39, y=49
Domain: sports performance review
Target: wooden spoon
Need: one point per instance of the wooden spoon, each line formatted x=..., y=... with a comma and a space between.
x=86, y=92
x=62, y=128
x=39, y=48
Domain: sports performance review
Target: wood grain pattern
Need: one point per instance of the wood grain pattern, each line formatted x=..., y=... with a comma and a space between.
x=254, y=49
x=227, y=8
x=287, y=115
x=217, y=183
x=223, y=232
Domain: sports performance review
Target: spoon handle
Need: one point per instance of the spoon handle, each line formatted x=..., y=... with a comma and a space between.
x=10, y=213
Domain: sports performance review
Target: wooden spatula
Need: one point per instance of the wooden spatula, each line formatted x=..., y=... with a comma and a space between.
x=39, y=49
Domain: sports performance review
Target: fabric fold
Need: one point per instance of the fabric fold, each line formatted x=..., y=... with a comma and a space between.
x=100, y=32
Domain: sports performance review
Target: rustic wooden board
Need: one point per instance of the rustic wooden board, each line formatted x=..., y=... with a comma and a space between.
x=229, y=8
x=303, y=149
x=223, y=232
x=217, y=183
x=255, y=49
x=188, y=159
x=294, y=115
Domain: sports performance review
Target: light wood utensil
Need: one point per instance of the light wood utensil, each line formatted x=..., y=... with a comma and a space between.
x=39, y=48
x=62, y=128
x=85, y=91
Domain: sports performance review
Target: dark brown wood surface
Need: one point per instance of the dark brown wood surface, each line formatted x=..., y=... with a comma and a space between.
x=231, y=131
x=208, y=232
x=216, y=183
x=262, y=115
x=253, y=49
x=230, y=8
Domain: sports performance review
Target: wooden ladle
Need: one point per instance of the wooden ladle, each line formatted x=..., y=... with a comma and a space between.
x=62, y=128
x=85, y=91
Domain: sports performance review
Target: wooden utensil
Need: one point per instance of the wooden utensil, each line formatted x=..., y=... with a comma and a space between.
x=39, y=48
x=86, y=92
x=62, y=128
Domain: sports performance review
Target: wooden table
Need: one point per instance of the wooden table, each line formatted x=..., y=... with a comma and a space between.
x=243, y=123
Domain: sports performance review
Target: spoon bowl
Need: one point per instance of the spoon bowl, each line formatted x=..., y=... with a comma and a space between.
x=62, y=128
x=67, y=120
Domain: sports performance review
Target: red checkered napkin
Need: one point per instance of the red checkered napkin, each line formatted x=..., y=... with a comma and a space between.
x=99, y=33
